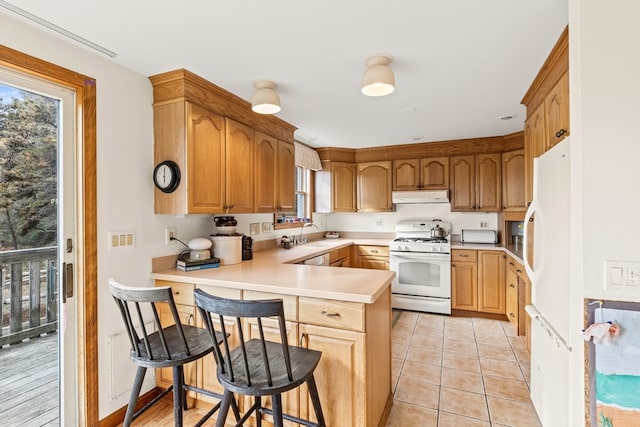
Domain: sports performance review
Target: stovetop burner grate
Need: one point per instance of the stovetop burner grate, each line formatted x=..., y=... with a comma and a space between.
x=421, y=240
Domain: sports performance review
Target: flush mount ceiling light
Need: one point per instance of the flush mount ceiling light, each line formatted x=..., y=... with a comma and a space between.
x=266, y=99
x=378, y=79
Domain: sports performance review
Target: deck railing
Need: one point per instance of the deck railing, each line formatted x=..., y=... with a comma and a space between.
x=29, y=293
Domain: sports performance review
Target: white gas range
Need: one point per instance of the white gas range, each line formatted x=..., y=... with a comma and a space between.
x=423, y=266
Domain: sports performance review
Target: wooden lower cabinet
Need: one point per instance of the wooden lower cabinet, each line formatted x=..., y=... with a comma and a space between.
x=343, y=401
x=478, y=280
x=518, y=297
x=354, y=373
x=464, y=286
x=340, y=257
x=512, y=294
x=373, y=257
x=491, y=288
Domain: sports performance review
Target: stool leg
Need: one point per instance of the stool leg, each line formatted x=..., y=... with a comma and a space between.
x=258, y=411
x=276, y=406
x=224, y=408
x=135, y=392
x=178, y=395
x=315, y=399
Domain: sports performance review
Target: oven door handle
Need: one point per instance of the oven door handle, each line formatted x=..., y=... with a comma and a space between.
x=422, y=256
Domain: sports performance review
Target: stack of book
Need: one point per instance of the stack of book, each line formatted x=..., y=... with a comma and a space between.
x=197, y=264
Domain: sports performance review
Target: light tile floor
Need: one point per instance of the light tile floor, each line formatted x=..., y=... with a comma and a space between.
x=455, y=371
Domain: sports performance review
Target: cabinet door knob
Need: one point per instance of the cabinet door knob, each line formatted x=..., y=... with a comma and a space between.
x=560, y=133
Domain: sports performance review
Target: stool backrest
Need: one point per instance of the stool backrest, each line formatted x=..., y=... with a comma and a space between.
x=210, y=305
x=131, y=302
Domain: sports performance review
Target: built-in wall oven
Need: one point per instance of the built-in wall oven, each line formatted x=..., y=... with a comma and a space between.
x=422, y=264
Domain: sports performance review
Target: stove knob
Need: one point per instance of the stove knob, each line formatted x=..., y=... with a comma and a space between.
x=406, y=248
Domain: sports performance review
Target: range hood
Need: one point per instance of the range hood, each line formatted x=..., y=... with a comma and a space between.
x=420, y=196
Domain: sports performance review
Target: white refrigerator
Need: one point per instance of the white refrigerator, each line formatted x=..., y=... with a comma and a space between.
x=549, y=274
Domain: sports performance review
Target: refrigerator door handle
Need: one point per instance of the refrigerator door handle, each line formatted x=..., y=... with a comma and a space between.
x=525, y=241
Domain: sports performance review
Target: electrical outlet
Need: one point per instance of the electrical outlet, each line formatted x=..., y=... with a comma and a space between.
x=254, y=228
x=379, y=223
x=169, y=233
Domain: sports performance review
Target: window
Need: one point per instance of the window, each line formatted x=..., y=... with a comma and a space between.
x=303, y=199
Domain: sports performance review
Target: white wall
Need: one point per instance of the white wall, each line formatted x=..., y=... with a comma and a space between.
x=368, y=222
x=125, y=189
x=604, y=39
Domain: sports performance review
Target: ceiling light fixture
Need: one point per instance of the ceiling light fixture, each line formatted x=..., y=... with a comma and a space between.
x=378, y=79
x=266, y=99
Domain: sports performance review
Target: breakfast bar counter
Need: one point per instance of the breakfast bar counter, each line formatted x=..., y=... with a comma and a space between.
x=277, y=271
x=343, y=312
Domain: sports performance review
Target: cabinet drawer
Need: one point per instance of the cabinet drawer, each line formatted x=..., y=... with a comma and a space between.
x=290, y=302
x=221, y=292
x=373, y=250
x=182, y=292
x=332, y=313
x=464, y=255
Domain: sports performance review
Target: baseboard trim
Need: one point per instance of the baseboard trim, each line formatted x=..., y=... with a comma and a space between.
x=117, y=417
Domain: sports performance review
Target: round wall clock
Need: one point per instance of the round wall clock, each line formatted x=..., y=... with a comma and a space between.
x=166, y=176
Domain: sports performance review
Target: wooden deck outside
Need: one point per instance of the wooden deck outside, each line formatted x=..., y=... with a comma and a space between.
x=29, y=382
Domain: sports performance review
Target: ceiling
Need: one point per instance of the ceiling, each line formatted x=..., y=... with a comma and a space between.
x=459, y=65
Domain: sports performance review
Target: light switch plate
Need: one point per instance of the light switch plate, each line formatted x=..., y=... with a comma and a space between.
x=267, y=227
x=622, y=277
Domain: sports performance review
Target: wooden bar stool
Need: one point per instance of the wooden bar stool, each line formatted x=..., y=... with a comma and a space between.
x=257, y=367
x=168, y=347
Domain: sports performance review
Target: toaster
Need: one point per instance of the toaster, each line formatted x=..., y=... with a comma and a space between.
x=479, y=236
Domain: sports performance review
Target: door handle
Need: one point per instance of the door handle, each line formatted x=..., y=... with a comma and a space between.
x=67, y=281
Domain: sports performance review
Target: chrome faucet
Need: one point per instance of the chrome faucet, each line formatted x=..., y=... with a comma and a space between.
x=302, y=239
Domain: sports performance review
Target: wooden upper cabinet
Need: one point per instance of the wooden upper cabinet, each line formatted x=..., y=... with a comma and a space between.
x=211, y=134
x=476, y=183
x=374, y=187
x=547, y=102
x=335, y=187
x=285, y=177
x=406, y=174
x=421, y=174
x=556, y=105
x=513, y=194
x=534, y=137
x=463, y=175
x=239, y=167
x=488, y=182
x=434, y=173
x=205, y=165
x=266, y=148
x=343, y=186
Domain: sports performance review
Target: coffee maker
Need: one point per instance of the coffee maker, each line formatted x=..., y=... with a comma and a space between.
x=247, y=248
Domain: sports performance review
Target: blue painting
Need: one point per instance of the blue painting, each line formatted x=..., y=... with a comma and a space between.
x=617, y=371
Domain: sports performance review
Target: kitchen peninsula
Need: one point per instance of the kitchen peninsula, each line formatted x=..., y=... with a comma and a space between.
x=343, y=312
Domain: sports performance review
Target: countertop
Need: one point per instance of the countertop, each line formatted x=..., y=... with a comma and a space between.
x=513, y=250
x=276, y=271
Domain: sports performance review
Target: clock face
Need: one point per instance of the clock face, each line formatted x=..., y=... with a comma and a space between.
x=166, y=176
